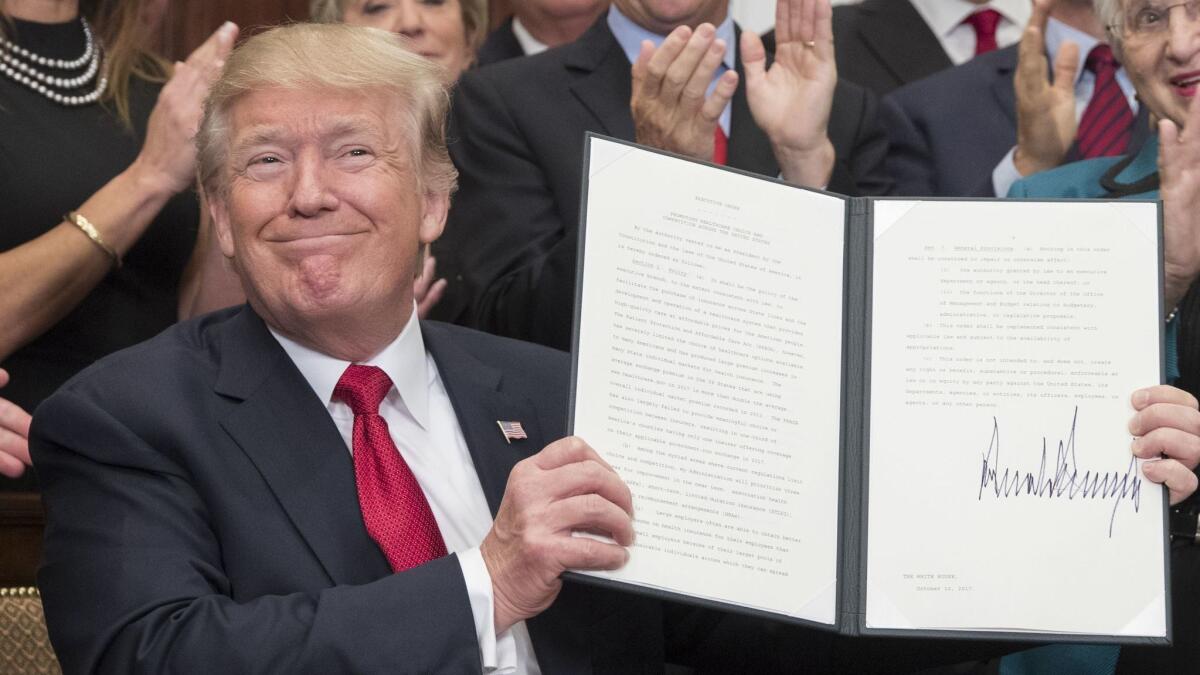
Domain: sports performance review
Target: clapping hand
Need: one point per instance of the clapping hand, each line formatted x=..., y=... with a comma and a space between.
x=1046, y=124
x=669, y=106
x=1179, y=176
x=791, y=100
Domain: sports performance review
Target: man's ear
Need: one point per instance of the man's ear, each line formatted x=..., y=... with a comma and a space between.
x=219, y=212
x=433, y=216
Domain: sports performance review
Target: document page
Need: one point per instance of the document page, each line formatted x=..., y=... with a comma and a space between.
x=708, y=373
x=1006, y=339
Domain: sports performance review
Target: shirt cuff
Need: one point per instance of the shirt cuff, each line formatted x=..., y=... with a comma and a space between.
x=497, y=653
x=1005, y=174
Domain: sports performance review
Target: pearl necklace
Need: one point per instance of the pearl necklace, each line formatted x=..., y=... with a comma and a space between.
x=15, y=68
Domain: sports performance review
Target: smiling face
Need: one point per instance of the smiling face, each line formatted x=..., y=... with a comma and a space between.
x=324, y=217
x=435, y=28
x=1164, y=66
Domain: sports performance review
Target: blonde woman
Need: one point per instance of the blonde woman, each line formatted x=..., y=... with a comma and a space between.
x=448, y=32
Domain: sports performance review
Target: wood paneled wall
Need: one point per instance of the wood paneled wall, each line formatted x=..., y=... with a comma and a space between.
x=189, y=22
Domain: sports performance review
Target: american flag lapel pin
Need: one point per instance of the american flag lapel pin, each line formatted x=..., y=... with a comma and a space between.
x=513, y=431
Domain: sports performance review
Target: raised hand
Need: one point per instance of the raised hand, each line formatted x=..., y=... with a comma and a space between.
x=1046, y=124
x=564, y=488
x=1167, y=431
x=1179, y=178
x=669, y=106
x=791, y=100
x=168, y=156
x=14, y=435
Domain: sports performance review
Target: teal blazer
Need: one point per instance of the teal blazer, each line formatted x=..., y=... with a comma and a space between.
x=1128, y=177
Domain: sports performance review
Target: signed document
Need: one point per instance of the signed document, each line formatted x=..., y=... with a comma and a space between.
x=879, y=416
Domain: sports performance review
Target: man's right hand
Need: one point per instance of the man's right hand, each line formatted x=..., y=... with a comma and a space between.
x=564, y=488
x=14, y=435
x=1046, y=123
x=669, y=107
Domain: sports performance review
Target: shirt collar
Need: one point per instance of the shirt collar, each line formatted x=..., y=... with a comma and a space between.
x=529, y=44
x=630, y=35
x=943, y=16
x=403, y=360
x=1058, y=32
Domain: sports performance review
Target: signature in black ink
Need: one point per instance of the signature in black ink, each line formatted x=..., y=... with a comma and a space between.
x=1064, y=479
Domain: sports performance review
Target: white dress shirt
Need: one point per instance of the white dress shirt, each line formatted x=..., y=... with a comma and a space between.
x=1058, y=33
x=945, y=19
x=529, y=44
x=425, y=429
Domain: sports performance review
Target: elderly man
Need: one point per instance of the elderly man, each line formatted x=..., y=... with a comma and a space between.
x=664, y=73
x=318, y=482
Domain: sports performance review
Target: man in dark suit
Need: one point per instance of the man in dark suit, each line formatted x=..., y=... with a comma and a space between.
x=973, y=130
x=518, y=129
x=537, y=25
x=885, y=44
x=317, y=482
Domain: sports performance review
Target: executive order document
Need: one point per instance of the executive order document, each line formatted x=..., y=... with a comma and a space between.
x=939, y=447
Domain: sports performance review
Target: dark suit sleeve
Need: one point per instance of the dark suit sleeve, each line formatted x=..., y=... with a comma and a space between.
x=132, y=578
x=514, y=249
x=909, y=160
x=861, y=144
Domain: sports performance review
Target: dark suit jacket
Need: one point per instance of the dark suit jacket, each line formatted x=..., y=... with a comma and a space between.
x=884, y=44
x=202, y=517
x=517, y=137
x=500, y=45
x=947, y=133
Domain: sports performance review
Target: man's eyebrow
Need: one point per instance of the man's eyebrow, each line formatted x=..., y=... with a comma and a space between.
x=330, y=129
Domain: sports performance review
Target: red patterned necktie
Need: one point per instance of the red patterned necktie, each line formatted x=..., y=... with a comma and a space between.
x=720, y=146
x=984, y=22
x=1107, y=122
x=394, y=508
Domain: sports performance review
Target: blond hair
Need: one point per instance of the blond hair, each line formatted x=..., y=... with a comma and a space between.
x=118, y=27
x=474, y=17
x=337, y=57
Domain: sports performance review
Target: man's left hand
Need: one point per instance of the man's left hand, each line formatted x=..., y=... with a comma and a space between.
x=1167, y=431
x=792, y=99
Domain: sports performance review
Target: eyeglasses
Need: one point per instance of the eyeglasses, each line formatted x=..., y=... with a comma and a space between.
x=1145, y=19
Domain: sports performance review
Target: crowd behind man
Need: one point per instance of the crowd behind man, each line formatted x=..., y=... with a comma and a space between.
x=307, y=479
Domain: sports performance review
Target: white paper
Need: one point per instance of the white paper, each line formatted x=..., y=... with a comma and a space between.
x=709, y=376
x=1008, y=337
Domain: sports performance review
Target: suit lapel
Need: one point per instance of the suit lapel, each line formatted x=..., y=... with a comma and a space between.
x=749, y=148
x=477, y=394
x=288, y=434
x=601, y=81
x=562, y=636
x=905, y=45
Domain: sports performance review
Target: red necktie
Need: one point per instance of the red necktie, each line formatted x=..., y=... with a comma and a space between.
x=1107, y=122
x=720, y=146
x=394, y=508
x=984, y=22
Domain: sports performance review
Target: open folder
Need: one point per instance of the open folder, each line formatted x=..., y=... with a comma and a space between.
x=880, y=416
